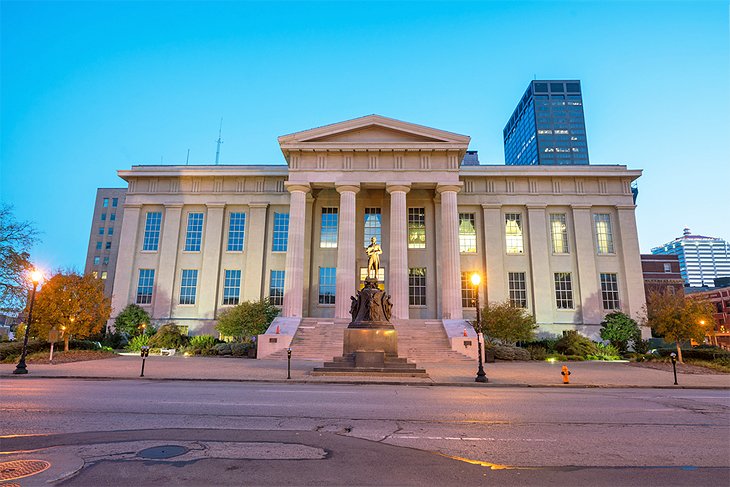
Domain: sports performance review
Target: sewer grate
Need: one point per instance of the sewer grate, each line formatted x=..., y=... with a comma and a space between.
x=164, y=451
x=17, y=469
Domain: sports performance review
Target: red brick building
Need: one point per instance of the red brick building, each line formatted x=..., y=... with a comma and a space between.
x=661, y=273
x=720, y=299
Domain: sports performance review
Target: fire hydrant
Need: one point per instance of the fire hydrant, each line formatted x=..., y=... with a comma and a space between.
x=566, y=374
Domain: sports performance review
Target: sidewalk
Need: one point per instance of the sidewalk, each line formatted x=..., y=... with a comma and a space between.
x=519, y=374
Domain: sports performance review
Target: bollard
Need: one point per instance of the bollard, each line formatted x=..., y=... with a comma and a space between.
x=288, y=363
x=566, y=374
x=144, y=352
x=674, y=366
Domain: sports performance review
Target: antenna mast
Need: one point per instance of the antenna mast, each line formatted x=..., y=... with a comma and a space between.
x=219, y=142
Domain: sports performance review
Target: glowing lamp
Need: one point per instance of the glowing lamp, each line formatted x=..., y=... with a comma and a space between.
x=36, y=276
x=476, y=279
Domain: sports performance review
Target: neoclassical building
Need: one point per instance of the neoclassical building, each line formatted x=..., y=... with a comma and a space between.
x=560, y=241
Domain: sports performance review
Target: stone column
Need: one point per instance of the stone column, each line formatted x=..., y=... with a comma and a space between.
x=124, y=279
x=346, y=271
x=542, y=285
x=294, y=276
x=209, y=281
x=398, y=259
x=494, y=250
x=450, y=259
x=590, y=290
x=256, y=233
x=164, y=291
x=634, y=297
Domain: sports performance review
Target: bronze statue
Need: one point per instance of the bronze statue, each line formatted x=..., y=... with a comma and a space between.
x=373, y=251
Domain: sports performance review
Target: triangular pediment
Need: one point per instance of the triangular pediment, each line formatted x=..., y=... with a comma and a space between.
x=372, y=134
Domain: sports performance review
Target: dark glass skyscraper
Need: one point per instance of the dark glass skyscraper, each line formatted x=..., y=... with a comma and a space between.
x=547, y=127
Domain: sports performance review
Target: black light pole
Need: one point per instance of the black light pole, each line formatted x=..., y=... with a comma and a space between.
x=481, y=375
x=21, y=367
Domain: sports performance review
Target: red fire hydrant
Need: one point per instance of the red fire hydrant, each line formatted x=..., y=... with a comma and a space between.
x=566, y=374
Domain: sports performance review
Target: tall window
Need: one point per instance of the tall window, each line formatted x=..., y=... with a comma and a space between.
x=231, y=287
x=101, y=230
x=103, y=216
x=115, y=202
x=328, y=234
x=417, y=286
x=416, y=228
x=373, y=222
x=236, y=232
x=104, y=275
x=112, y=217
x=152, y=231
x=108, y=246
x=513, y=233
x=194, y=235
x=467, y=233
x=604, y=236
x=188, y=286
x=105, y=202
x=97, y=260
x=559, y=233
x=281, y=232
x=563, y=290
x=609, y=291
x=98, y=245
x=276, y=288
x=327, y=285
x=144, y=286
x=517, y=289
x=110, y=231
x=467, y=290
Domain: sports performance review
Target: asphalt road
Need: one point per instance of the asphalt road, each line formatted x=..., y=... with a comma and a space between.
x=302, y=434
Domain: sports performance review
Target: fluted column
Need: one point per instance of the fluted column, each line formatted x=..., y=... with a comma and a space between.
x=294, y=276
x=450, y=260
x=345, y=285
x=123, y=294
x=398, y=258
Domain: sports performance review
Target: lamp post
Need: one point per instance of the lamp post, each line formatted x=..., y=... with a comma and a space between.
x=36, y=277
x=481, y=375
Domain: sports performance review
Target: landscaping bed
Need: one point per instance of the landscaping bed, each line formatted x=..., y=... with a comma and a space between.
x=706, y=368
x=68, y=357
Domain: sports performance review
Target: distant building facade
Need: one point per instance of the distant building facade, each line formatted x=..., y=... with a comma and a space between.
x=548, y=126
x=720, y=299
x=106, y=230
x=701, y=259
x=662, y=274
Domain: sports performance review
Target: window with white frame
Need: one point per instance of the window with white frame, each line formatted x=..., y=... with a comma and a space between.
x=416, y=228
x=604, y=236
x=231, y=286
x=467, y=233
x=152, y=231
x=276, y=288
x=280, y=236
x=188, y=286
x=327, y=285
x=563, y=290
x=559, y=233
x=609, y=291
x=328, y=230
x=236, y=231
x=513, y=233
x=373, y=226
x=467, y=290
x=417, y=286
x=517, y=284
x=194, y=234
x=145, y=285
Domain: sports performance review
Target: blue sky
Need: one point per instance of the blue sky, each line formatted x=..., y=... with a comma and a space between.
x=92, y=87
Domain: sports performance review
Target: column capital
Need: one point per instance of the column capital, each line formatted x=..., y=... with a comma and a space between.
x=453, y=187
x=302, y=187
x=580, y=206
x=491, y=206
x=626, y=207
x=536, y=206
x=258, y=205
x=347, y=187
x=393, y=188
x=215, y=205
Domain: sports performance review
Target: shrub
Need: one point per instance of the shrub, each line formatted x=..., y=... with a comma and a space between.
x=619, y=329
x=130, y=320
x=604, y=352
x=136, y=343
x=168, y=336
x=641, y=346
x=203, y=341
x=239, y=349
x=573, y=343
x=705, y=353
x=506, y=352
x=223, y=348
x=9, y=351
x=248, y=319
x=507, y=323
x=537, y=352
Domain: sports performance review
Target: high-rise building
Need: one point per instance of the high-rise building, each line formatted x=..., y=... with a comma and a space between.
x=701, y=259
x=106, y=229
x=547, y=128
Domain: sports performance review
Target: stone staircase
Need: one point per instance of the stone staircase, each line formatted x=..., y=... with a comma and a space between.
x=419, y=341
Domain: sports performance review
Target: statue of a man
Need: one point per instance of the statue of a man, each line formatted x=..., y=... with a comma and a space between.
x=373, y=250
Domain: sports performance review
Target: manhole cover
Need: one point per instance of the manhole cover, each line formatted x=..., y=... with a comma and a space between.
x=17, y=469
x=164, y=451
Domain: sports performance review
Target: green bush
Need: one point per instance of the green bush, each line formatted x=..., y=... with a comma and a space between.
x=605, y=352
x=223, y=348
x=168, y=336
x=557, y=357
x=506, y=352
x=620, y=330
x=136, y=343
x=115, y=340
x=202, y=341
x=699, y=353
x=9, y=351
x=537, y=352
x=573, y=343
x=575, y=358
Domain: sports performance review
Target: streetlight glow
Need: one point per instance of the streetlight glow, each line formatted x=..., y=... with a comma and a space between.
x=476, y=279
x=36, y=276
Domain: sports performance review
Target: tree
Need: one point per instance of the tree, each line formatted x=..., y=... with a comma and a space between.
x=678, y=318
x=130, y=320
x=507, y=323
x=248, y=319
x=16, y=239
x=619, y=329
x=73, y=304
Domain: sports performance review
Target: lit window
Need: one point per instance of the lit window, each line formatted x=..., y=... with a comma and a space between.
x=609, y=291
x=281, y=232
x=563, y=290
x=327, y=285
x=95, y=274
x=417, y=286
x=604, y=236
x=517, y=289
x=416, y=228
x=231, y=287
x=144, y=286
x=381, y=277
x=97, y=260
x=467, y=233
x=103, y=275
x=467, y=290
x=513, y=233
x=194, y=234
x=236, y=232
x=152, y=231
x=559, y=233
x=188, y=286
x=276, y=288
x=373, y=222
x=667, y=268
x=105, y=202
x=328, y=233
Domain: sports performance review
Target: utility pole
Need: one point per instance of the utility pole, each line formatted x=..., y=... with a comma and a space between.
x=219, y=142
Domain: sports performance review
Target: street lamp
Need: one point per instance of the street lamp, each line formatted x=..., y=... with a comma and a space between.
x=481, y=375
x=36, y=277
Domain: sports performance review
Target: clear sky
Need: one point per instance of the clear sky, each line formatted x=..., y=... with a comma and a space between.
x=92, y=87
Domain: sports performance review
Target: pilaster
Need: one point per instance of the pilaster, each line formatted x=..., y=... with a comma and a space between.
x=542, y=287
x=210, y=272
x=494, y=250
x=125, y=259
x=254, y=251
x=165, y=276
x=590, y=292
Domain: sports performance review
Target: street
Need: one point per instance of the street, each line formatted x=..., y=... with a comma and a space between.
x=235, y=433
